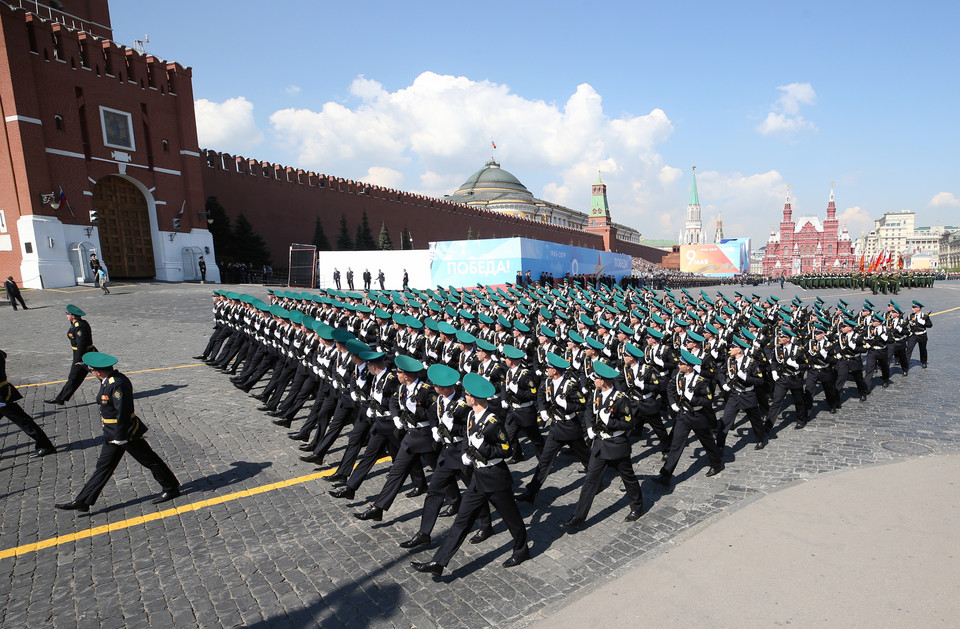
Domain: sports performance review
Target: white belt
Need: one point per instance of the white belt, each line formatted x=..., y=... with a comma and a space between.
x=647, y=396
x=421, y=425
x=479, y=464
x=565, y=417
x=524, y=405
x=613, y=435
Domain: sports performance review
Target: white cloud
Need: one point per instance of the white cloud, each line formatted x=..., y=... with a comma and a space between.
x=228, y=126
x=856, y=220
x=292, y=90
x=385, y=177
x=784, y=117
x=944, y=199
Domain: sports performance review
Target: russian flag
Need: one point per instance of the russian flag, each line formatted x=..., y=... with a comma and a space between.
x=493, y=143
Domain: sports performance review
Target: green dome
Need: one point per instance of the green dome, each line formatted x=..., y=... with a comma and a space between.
x=491, y=183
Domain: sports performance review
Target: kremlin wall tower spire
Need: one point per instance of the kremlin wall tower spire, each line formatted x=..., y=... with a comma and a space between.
x=693, y=232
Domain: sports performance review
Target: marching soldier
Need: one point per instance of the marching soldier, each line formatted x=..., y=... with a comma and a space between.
x=740, y=378
x=787, y=362
x=13, y=411
x=919, y=323
x=81, y=342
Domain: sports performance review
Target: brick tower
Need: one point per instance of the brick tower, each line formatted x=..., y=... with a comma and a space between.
x=599, y=221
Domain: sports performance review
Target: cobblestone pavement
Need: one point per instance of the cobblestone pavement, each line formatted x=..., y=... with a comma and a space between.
x=286, y=554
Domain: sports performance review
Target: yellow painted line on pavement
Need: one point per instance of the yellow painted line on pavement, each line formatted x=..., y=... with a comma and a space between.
x=40, y=384
x=933, y=314
x=166, y=513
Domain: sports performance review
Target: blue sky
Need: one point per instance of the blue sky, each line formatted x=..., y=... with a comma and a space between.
x=756, y=95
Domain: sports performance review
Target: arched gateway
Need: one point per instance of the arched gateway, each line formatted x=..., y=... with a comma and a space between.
x=126, y=246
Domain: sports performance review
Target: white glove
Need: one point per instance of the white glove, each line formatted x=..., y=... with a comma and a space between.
x=562, y=402
x=657, y=360
x=354, y=396
x=823, y=352
x=742, y=374
x=447, y=420
x=466, y=460
x=605, y=417
x=411, y=405
x=676, y=409
x=476, y=440
x=369, y=411
x=436, y=434
x=726, y=387
x=792, y=363
x=398, y=423
x=776, y=376
x=544, y=416
x=591, y=434
x=688, y=394
x=513, y=387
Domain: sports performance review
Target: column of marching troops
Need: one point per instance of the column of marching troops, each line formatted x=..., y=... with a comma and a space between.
x=880, y=282
x=459, y=380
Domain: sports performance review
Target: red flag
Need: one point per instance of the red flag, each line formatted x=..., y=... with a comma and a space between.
x=493, y=143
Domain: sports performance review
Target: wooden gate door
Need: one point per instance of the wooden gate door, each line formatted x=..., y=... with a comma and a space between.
x=125, y=242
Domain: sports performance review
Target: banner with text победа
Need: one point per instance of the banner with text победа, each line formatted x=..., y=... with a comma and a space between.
x=540, y=256
x=471, y=262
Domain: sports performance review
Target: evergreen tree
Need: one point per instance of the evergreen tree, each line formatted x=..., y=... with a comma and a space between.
x=320, y=240
x=250, y=247
x=470, y=233
x=364, y=240
x=344, y=243
x=406, y=241
x=384, y=242
x=220, y=230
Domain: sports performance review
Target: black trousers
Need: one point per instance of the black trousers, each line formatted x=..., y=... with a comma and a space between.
x=319, y=416
x=15, y=298
x=78, y=371
x=900, y=353
x=591, y=484
x=844, y=371
x=110, y=455
x=654, y=420
x=551, y=448
x=876, y=357
x=524, y=420
x=403, y=464
x=795, y=387
x=449, y=468
x=827, y=378
x=730, y=411
x=377, y=446
x=913, y=341
x=471, y=507
x=700, y=425
x=278, y=384
x=220, y=334
x=342, y=416
x=18, y=416
x=303, y=386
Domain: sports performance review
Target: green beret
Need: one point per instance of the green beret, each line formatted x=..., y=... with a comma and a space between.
x=680, y=322
x=484, y=318
x=693, y=336
x=71, y=309
x=917, y=304
x=446, y=328
x=575, y=337
x=712, y=329
x=413, y=322
x=657, y=334
x=408, y=364
x=556, y=361
x=512, y=352
x=587, y=321
x=604, y=371
x=742, y=342
x=486, y=346
x=785, y=331
x=688, y=358
x=465, y=337
x=371, y=357
x=342, y=336
x=594, y=343
x=442, y=376
x=747, y=334
x=547, y=332
x=98, y=360
x=478, y=386
x=625, y=329
x=521, y=326
x=356, y=347
x=633, y=350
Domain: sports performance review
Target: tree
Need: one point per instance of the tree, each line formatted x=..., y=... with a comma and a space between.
x=344, y=243
x=406, y=240
x=250, y=247
x=470, y=235
x=384, y=242
x=220, y=230
x=364, y=240
x=320, y=240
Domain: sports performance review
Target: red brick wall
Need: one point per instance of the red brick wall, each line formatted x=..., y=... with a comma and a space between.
x=283, y=205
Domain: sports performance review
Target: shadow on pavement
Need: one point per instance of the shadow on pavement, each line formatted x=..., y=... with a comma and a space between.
x=238, y=472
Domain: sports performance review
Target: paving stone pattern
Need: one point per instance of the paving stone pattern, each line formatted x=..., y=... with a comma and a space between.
x=295, y=556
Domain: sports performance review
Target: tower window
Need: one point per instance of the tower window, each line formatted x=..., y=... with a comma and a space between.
x=58, y=122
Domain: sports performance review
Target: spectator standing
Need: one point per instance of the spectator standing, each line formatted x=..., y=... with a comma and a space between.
x=13, y=293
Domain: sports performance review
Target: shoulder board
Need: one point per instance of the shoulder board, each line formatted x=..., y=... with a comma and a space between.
x=110, y=380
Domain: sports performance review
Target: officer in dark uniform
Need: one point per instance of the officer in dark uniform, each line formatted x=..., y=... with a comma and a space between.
x=81, y=342
x=919, y=322
x=741, y=379
x=609, y=426
x=12, y=411
x=122, y=432
x=520, y=402
x=690, y=399
x=788, y=362
x=487, y=451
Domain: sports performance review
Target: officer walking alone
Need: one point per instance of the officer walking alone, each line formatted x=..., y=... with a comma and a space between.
x=81, y=342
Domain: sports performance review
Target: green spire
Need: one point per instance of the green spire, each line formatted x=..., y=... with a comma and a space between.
x=694, y=197
x=598, y=203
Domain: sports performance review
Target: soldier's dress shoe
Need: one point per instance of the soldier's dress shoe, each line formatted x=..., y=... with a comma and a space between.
x=763, y=444
x=343, y=492
x=924, y=365
x=863, y=398
x=833, y=411
x=200, y=357
x=306, y=447
x=449, y=511
x=481, y=536
x=313, y=458
x=336, y=478
x=259, y=396
x=266, y=408
x=72, y=506
x=275, y=413
x=417, y=540
x=572, y=525
x=54, y=401
x=799, y=425
x=905, y=374
x=661, y=479
x=166, y=496
x=515, y=560
x=528, y=495
x=39, y=452
x=283, y=423
x=296, y=436
x=713, y=471
x=430, y=567
x=416, y=491
x=633, y=516
x=885, y=385
x=373, y=513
